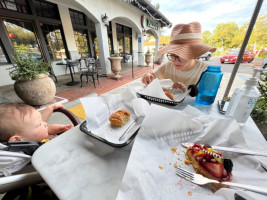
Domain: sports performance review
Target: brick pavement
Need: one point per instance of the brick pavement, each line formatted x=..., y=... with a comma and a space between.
x=106, y=84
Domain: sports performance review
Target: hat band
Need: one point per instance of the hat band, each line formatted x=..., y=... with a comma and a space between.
x=183, y=36
x=186, y=41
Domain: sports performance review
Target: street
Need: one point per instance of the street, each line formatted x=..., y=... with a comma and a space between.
x=244, y=68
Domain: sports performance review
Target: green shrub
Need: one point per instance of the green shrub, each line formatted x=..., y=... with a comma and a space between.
x=262, y=55
x=115, y=55
x=259, y=112
x=148, y=51
x=27, y=68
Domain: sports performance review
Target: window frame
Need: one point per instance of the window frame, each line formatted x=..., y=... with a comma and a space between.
x=35, y=20
x=35, y=33
x=5, y=54
x=89, y=30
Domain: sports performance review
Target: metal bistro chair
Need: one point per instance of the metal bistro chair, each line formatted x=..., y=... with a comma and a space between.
x=72, y=66
x=90, y=69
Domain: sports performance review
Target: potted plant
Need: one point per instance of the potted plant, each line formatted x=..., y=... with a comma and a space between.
x=32, y=83
x=148, y=57
x=115, y=61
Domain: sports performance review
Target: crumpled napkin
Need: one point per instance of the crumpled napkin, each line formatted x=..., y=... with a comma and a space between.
x=154, y=89
x=169, y=124
x=198, y=115
x=150, y=173
x=11, y=162
x=98, y=110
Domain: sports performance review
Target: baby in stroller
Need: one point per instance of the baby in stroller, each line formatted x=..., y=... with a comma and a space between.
x=21, y=122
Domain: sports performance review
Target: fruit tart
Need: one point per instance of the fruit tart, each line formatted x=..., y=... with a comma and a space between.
x=209, y=163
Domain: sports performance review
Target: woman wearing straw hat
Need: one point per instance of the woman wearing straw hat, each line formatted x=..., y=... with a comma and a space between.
x=185, y=47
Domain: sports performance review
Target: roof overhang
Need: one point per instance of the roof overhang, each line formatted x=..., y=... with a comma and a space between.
x=146, y=7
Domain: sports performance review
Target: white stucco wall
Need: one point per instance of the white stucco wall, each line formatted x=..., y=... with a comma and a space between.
x=4, y=75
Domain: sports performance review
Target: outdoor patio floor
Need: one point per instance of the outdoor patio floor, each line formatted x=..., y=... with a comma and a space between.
x=75, y=92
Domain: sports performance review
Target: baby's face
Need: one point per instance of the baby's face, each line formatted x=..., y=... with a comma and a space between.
x=34, y=127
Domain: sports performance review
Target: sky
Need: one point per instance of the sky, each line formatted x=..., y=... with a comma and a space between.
x=208, y=12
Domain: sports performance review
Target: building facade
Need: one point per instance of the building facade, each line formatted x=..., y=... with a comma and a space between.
x=71, y=29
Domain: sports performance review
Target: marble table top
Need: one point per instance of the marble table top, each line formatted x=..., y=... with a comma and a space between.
x=78, y=166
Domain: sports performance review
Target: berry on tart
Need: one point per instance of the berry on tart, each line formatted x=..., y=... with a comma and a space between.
x=210, y=163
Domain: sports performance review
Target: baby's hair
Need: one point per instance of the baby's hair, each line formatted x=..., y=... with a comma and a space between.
x=9, y=124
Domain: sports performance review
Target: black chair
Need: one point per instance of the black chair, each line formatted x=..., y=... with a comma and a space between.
x=51, y=72
x=72, y=66
x=90, y=69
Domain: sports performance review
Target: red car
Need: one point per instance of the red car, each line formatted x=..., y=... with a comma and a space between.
x=232, y=56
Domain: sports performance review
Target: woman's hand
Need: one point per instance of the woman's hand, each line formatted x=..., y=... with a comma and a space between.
x=148, y=78
x=179, y=85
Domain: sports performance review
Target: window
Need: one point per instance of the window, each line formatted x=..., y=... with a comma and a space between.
x=119, y=28
x=110, y=44
x=128, y=42
x=81, y=39
x=124, y=39
x=77, y=17
x=15, y=5
x=123, y=29
x=127, y=30
x=54, y=41
x=90, y=23
x=3, y=57
x=46, y=9
x=22, y=37
x=83, y=27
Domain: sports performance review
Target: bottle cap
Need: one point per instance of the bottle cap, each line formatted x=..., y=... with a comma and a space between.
x=214, y=68
x=253, y=80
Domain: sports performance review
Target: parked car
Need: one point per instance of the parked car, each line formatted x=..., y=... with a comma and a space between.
x=206, y=55
x=232, y=56
x=264, y=63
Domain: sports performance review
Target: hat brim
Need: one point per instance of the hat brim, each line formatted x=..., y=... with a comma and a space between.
x=186, y=51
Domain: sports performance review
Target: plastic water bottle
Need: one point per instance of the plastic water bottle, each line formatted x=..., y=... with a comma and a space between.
x=209, y=85
x=243, y=100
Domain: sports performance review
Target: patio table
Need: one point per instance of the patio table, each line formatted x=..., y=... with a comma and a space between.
x=65, y=163
x=70, y=64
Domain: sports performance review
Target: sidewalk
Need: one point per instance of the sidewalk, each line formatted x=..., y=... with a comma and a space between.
x=106, y=83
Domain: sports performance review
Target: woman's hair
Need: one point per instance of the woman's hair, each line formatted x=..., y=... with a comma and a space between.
x=12, y=119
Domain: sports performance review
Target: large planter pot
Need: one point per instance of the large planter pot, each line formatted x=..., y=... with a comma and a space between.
x=36, y=92
x=148, y=59
x=116, y=66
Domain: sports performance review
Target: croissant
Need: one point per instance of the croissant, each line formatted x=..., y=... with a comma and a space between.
x=119, y=118
x=168, y=93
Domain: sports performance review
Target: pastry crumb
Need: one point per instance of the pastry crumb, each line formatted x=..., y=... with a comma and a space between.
x=188, y=162
x=180, y=182
x=174, y=149
x=189, y=193
x=161, y=167
x=175, y=165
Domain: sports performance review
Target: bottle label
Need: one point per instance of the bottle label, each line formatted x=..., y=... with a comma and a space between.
x=244, y=108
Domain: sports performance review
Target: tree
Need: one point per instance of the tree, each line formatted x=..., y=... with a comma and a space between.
x=157, y=5
x=224, y=34
x=206, y=37
x=258, y=39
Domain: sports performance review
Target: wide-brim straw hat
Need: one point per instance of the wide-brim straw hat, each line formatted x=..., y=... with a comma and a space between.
x=186, y=42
